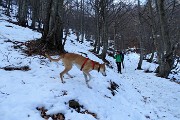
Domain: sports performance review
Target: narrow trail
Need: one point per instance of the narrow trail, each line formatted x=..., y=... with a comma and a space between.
x=159, y=96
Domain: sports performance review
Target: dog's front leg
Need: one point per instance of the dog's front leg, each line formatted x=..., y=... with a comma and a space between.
x=61, y=76
x=85, y=76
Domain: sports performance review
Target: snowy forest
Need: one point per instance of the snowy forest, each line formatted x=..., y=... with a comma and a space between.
x=146, y=31
x=150, y=26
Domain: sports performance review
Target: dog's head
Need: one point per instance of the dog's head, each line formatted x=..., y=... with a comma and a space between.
x=103, y=69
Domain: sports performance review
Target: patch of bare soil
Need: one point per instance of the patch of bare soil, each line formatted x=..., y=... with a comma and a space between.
x=58, y=116
x=33, y=47
x=80, y=109
x=113, y=87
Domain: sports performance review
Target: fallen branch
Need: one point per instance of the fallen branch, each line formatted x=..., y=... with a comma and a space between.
x=11, y=68
x=4, y=93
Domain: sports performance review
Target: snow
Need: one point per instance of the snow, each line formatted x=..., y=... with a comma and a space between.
x=141, y=96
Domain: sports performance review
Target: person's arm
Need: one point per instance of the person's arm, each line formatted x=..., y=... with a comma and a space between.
x=114, y=56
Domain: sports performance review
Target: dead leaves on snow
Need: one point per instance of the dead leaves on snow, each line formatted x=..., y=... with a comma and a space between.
x=58, y=116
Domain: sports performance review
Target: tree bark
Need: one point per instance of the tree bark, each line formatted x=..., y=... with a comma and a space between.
x=153, y=36
x=141, y=34
x=166, y=62
x=35, y=7
x=8, y=5
x=97, y=28
x=0, y=2
x=104, y=15
x=78, y=18
x=22, y=13
x=82, y=21
x=53, y=25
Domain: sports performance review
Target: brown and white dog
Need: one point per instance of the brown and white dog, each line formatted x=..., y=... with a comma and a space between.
x=84, y=64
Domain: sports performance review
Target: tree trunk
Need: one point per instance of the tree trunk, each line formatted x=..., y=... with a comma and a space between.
x=154, y=36
x=78, y=18
x=97, y=28
x=140, y=37
x=166, y=63
x=82, y=21
x=8, y=5
x=115, y=37
x=104, y=6
x=151, y=58
x=77, y=35
x=35, y=6
x=105, y=40
x=22, y=13
x=0, y=2
x=53, y=25
x=46, y=7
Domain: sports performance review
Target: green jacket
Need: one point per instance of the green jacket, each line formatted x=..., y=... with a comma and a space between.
x=118, y=58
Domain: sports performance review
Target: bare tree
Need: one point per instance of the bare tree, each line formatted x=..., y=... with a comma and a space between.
x=104, y=4
x=141, y=36
x=35, y=8
x=157, y=24
x=166, y=57
x=153, y=29
x=8, y=6
x=0, y=2
x=22, y=12
x=53, y=24
x=97, y=27
x=82, y=21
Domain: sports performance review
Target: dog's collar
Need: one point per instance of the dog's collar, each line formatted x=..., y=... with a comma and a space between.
x=99, y=67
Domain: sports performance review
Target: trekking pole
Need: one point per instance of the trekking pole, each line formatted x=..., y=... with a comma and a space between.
x=124, y=66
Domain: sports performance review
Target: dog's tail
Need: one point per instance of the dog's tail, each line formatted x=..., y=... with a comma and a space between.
x=52, y=59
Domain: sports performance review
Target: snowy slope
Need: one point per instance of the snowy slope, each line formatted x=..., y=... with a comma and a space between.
x=140, y=96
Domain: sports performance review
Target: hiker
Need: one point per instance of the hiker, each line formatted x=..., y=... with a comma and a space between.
x=119, y=59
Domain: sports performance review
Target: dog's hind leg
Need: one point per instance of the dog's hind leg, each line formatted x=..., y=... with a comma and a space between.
x=65, y=71
x=69, y=75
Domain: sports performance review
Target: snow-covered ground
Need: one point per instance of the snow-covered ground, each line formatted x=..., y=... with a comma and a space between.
x=140, y=96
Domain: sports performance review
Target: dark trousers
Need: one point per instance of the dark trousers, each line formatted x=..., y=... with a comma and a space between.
x=119, y=66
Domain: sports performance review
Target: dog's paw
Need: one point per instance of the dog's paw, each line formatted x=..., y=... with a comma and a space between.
x=71, y=76
x=87, y=80
x=63, y=82
x=89, y=87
